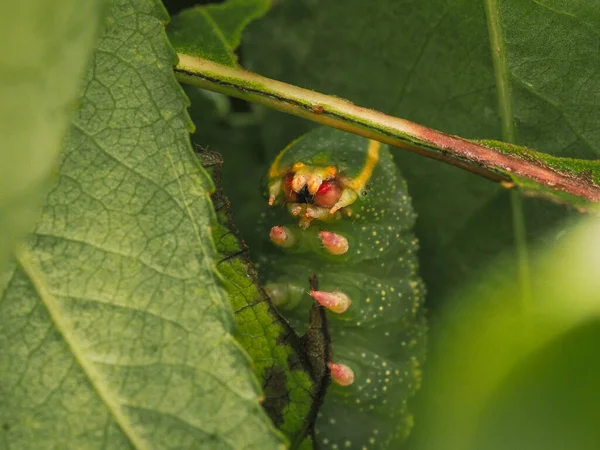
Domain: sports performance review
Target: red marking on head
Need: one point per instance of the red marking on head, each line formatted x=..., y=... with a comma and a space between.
x=341, y=374
x=328, y=194
x=289, y=194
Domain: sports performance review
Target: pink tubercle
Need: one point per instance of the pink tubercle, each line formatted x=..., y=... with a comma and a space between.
x=334, y=243
x=336, y=301
x=341, y=374
x=281, y=236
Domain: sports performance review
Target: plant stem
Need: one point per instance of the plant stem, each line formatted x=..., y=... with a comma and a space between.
x=507, y=119
x=520, y=231
x=339, y=113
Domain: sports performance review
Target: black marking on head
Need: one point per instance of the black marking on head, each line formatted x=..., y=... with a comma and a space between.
x=304, y=196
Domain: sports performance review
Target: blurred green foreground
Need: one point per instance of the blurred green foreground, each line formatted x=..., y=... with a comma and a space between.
x=505, y=374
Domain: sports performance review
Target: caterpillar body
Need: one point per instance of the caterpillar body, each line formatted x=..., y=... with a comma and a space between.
x=340, y=210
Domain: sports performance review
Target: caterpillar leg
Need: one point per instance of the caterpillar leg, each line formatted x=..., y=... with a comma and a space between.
x=306, y=213
x=274, y=190
x=347, y=197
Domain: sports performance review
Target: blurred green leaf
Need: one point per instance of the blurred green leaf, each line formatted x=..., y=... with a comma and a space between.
x=214, y=31
x=44, y=47
x=433, y=63
x=502, y=376
x=114, y=327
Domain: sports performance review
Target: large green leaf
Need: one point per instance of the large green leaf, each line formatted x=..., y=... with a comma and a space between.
x=44, y=47
x=433, y=63
x=114, y=327
x=504, y=377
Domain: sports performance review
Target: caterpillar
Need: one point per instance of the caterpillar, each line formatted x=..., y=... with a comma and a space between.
x=339, y=209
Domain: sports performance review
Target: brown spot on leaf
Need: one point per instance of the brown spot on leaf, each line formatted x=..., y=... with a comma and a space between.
x=276, y=394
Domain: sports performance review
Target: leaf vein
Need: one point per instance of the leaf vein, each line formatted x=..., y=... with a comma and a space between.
x=24, y=259
x=112, y=252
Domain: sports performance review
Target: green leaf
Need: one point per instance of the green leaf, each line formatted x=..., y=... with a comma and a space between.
x=214, y=31
x=507, y=377
x=114, y=326
x=433, y=64
x=44, y=49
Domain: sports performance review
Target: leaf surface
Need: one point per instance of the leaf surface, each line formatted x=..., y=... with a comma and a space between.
x=44, y=47
x=114, y=326
x=214, y=31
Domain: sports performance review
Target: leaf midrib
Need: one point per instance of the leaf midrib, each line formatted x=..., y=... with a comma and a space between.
x=498, y=51
x=25, y=262
x=507, y=121
x=219, y=34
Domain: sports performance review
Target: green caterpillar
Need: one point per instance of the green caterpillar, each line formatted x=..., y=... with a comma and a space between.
x=340, y=209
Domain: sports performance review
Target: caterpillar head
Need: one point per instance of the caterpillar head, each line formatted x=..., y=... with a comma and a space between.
x=322, y=172
x=311, y=191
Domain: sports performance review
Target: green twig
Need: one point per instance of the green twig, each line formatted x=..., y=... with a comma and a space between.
x=498, y=163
